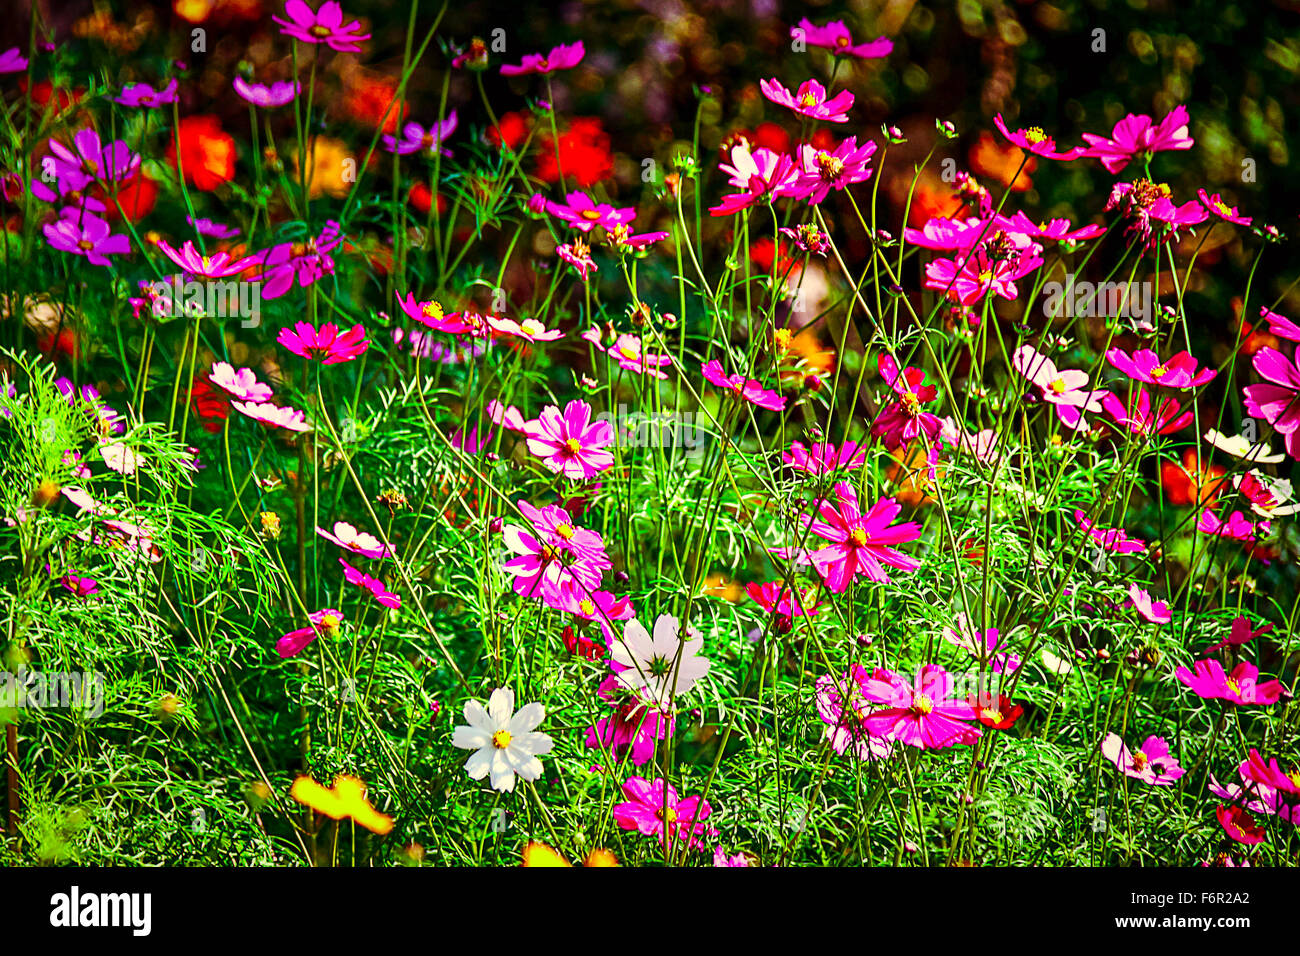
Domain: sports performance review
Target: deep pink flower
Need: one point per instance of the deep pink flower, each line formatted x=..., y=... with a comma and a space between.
x=653, y=809
x=1240, y=825
x=1157, y=612
x=835, y=37
x=242, y=384
x=1280, y=325
x=810, y=100
x=1237, y=526
x=193, y=263
x=986, y=647
x=843, y=708
x=1152, y=213
x=1137, y=417
x=582, y=212
x=11, y=61
x=562, y=57
x=979, y=275
x=924, y=714
x=507, y=416
x=375, y=586
x=632, y=728
x=630, y=353
x=782, y=602
x=750, y=389
x=571, y=444
x=1115, y=540
x=603, y=607
x=820, y=171
x=859, y=544
x=209, y=227
x=1180, y=371
x=529, y=329
x=307, y=262
x=1240, y=633
x=1270, y=774
x=81, y=587
x=142, y=94
x=554, y=559
x=822, y=458
x=324, y=25
x=760, y=188
x=267, y=96
x=578, y=255
x=1066, y=390
x=416, y=139
x=89, y=161
x=83, y=234
x=1036, y=141
x=903, y=420
x=1151, y=764
x=327, y=344
x=360, y=542
x=1218, y=207
x=1055, y=229
x=1240, y=687
x=624, y=238
x=323, y=622
x=1277, y=400
x=1139, y=136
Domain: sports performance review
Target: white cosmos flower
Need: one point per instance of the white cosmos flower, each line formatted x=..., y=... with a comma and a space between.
x=504, y=743
x=662, y=666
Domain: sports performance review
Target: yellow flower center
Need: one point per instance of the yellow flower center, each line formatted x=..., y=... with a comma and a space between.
x=807, y=100
x=922, y=704
x=532, y=326
x=628, y=352
x=572, y=446
x=501, y=739
x=986, y=277
x=85, y=245
x=858, y=537
x=1140, y=761
x=330, y=622
x=565, y=531
x=829, y=165
x=669, y=816
x=1160, y=371
x=1058, y=386
x=319, y=31
x=841, y=41
x=784, y=339
x=1223, y=207
x=432, y=310
x=1035, y=134
x=587, y=607
x=993, y=714
x=590, y=214
x=1233, y=686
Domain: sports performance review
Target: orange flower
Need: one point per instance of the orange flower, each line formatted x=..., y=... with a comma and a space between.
x=988, y=157
x=346, y=799
x=331, y=167
x=1188, y=483
x=537, y=853
x=909, y=475
x=366, y=97
x=207, y=152
x=137, y=198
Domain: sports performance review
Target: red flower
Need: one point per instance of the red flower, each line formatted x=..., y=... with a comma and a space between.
x=1240, y=825
x=1190, y=483
x=420, y=199
x=998, y=714
x=770, y=135
x=210, y=404
x=582, y=646
x=511, y=132
x=137, y=198
x=207, y=152
x=585, y=156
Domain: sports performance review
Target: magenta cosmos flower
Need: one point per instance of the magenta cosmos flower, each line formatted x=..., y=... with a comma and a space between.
x=922, y=714
x=359, y=542
x=554, y=556
x=751, y=390
x=1035, y=141
x=324, y=25
x=570, y=443
x=273, y=415
x=1240, y=825
x=1216, y=205
x=900, y=422
x=142, y=94
x=1137, y=416
x=821, y=458
x=835, y=37
x=1157, y=612
x=777, y=177
x=653, y=809
x=633, y=728
x=88, y=160
x=843, y=708
x=1277, y=400
x=563, y=57
x=1138, y=135
x=1241, y=687
x=11, y=61
x=582, y=212
x=1152, y=763
x=578, y=255
x=83, y=234
x=1065, y=390
x=306, y=262
x=193, y=263
x=210, y=227
x=820, y=171
x=1236, y=526
x=859, y=544
x=416, y=139
x=783, y=603
x=630, y=353
x=323, y=622
x=980, y=274
x=1153, y=215
x=1240, y=633
x=267, y=96
x=987, y=647
x=327, y=344
x=1114, y=540
x=1144, y=365
x=242, y=384
x=375, y=586
x=810, y=100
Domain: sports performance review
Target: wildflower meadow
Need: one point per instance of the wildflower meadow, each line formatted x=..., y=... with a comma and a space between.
x=648, y=434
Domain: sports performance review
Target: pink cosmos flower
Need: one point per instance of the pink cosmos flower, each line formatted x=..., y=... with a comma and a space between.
x=808, y=238
x=273, y=415
x=375, y=586
x=653, y=809
x=630, y=353
x=11, y=61
x=1280, y=325
x=624, y=239
x=324, y=25
x=209, y=227
x=720, y=858
x=562, y=57
x=600, y=606
x=1139, y=136
x=1255, y=796
x=760, y=188
x=1034, y=140
x=81, y=587
x=1268, y=496
x=632, y=728
x=83, y=234
x=507, y=416
x=360, y=542
x=1270, y=774
x=1218, y=207
x=416, y=139
x=747, y=163
x=1239, y=634
x=810, y=100
x=142, y=94
x=193, y=263
x=983, y=647
x=578, y=255
x=843, y=708
x=529, y=329
x=323, y=622
x=1066, y=390
x=571, y=444
x=1057, y=230
x=1153, y=214
x=582, y=212
x=432, y=315
x=820, y=171
x=89, y=161
x=982, y=445
x=859, y=544
x=822, y=458
x=782, y=602
x=979, y=275
x=1151, y=764
x=1181, y=371
x=267, y=96
x=835, y=37
x=327, y=344
x=751, y=390
x=1240, y=825
x=1137, y=418
x=902, y=421
x=1114, y=540
x=1241, y=687
x=1277, y=400
x=552, y=559
x=924, y=714
x=1237, y=526
x=306, y=262
x=1157, y=612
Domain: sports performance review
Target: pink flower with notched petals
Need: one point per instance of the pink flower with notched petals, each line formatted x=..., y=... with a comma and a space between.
x=1064, y=389
x=89, y=161
x=275, y=416
x=653, y=809
x=821, y=458
x=1277, y=400
x=1157, y=612
x=986, y=646
x=1152, y=213
x=1035, y=141
x=1216, y=205
x=375, y=586
x=820, y=170
x=1240, y=825
x=1241, y=687
x=1055, y=229
x=416, y=139
x=751, y=390
x=859, y=544
x=1137, y=135
x=835, y=37
x=810, y=100
x=902, y=421
x=1114, y=540
x=578, y=255
x=563, y=57
x=142, y=94
x=631, y=355
x=1236, y=526
x=11, y=61
x=980, y=275
x=324, y=25
x=1144, y=365
x=551, y=563
x=633, y=727
x=843, y=708
x=360, y=542
x=1152, y=763
x=922, y=714
x=83, y=234
x=327, y=345
x=1270, y=774
x=1137, y=416
x=306, y=262
x=760, y=188
x=507, y=416
x=323, y=622
x=529, y=329
x=570, y=443
x=1240, y=633
x=747, y=164
x=267, y=96
x=582, y=212
x=242, y=384
x=782, y=603
x=192, y=262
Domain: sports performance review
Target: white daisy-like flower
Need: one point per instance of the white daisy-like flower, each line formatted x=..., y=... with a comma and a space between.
x=505, y=744
x=663, y=666
x=120, y=458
